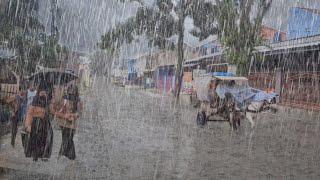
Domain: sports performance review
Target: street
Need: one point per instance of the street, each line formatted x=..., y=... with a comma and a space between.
x=130, y=134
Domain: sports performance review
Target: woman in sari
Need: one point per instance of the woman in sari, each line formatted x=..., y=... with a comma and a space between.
x=39, y=127
x=67, y=118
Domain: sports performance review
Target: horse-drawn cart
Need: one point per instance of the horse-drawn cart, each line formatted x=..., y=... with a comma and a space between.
x=229, y=98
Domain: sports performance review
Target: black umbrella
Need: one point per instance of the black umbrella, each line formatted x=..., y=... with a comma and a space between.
x=51, y=77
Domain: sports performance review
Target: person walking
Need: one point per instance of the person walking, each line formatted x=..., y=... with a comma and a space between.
x=67, y=118
x=31, y=93
x=38, y=125
x=18, y=103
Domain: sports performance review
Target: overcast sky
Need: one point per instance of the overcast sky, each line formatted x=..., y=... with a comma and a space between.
x=84, y=21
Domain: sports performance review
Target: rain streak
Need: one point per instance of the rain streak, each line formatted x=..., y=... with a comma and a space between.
x=159, y=89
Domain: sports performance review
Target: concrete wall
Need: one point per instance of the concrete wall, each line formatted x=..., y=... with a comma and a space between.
x=303, y=22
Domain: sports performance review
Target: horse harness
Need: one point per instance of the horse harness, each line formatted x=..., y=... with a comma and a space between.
x=264, y=107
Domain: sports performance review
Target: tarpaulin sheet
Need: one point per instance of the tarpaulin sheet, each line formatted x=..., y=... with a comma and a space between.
x=262, y=95
x=202, y=88
x=242, y=94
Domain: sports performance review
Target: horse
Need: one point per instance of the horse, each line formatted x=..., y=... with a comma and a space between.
x=225, y=108
x=255, y=108
x=234, y=115
x=229, y=111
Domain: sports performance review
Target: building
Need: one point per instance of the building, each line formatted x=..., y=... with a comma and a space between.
x=208, y=52
x=292, y=68
x=271, y=35
x=303, y=22
x=157, y=68
x=132, y=69
x=211, y=45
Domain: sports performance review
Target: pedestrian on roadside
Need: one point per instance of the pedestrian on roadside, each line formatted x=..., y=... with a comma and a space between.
x=18, y=103
x=31, y=93
x=38, y=125
x=67, y=118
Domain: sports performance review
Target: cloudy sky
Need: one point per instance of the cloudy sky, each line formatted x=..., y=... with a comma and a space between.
x=84, y=21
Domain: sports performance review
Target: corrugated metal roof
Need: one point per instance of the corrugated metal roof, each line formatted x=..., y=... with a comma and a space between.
x=314, y=11
x=228, y=78
x=190, y=61
x=296, y=43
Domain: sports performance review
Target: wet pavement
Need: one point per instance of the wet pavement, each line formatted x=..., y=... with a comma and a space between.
x=130, y=134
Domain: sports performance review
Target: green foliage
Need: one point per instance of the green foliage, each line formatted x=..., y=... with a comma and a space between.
x=239, y=30
x=21, y=29
x=156, y=25
x=161, y=22
x=204, y=17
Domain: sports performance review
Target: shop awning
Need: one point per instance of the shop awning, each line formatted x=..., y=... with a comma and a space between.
x=290, y=44
x=197, y=61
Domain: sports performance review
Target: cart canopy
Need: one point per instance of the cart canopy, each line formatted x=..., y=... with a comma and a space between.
x=240, y=90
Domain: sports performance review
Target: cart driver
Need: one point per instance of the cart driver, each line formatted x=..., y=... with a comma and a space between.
x=212, y=95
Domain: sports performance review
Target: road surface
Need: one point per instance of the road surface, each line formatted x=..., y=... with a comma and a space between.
x=130, y=134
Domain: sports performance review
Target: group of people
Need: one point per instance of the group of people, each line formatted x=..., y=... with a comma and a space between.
x=37, y=108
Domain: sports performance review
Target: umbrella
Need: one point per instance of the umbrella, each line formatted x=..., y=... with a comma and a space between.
x=55, y=77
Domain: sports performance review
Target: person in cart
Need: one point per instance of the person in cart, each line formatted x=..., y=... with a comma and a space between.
x=212, y=94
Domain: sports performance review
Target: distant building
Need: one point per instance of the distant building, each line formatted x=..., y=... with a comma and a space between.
x=303, y=22
x=207, y=52
x=132, y=69
x=208, y=46
x=272, y=35
x=292, y=68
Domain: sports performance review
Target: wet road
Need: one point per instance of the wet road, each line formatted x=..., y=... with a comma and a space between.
x=130, y=134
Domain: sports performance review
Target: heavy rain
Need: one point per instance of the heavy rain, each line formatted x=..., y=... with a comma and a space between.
x=159, y=89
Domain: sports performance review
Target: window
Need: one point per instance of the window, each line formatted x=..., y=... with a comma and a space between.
x=203, y=50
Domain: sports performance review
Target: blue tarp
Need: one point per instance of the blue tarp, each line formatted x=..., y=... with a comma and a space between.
x=222, y=74
x=262, y=95
x=245, y=94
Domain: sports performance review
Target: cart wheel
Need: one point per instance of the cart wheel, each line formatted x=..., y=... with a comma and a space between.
x=201, y=119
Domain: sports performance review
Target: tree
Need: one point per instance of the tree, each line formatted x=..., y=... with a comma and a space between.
x=17, y=17
x=22, y=30
x=239, y=27
x=158, y=23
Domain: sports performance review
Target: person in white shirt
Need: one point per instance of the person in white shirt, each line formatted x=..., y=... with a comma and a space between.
x=31, y=93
